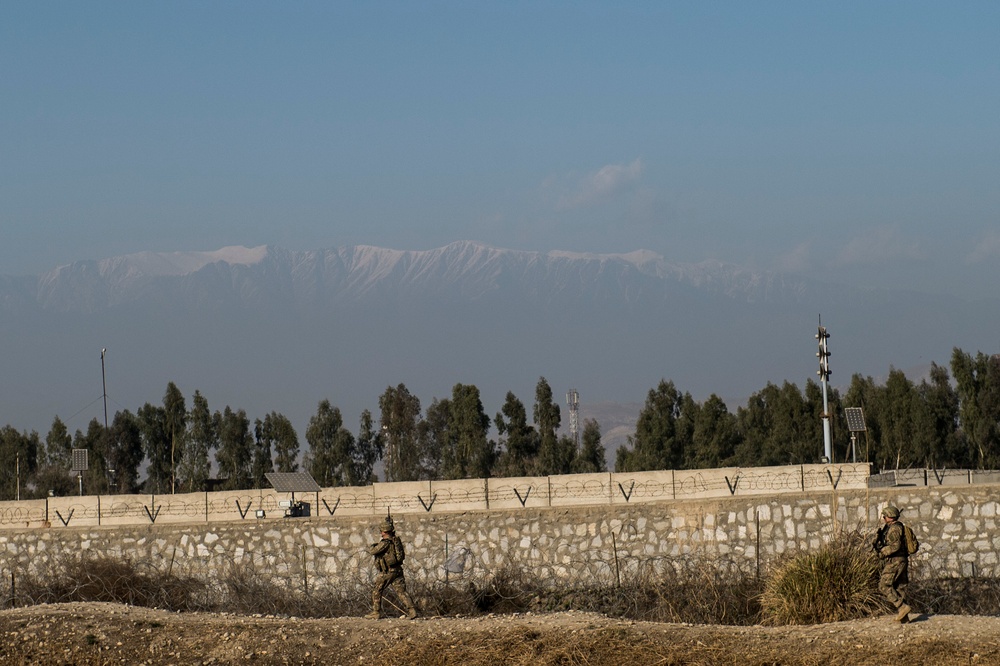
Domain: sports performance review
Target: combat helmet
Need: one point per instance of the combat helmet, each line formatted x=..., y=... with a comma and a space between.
x=890, y=512
x=387, y=525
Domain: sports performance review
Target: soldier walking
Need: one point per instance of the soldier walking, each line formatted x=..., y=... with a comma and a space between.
x=389, y=556
x=890, y=544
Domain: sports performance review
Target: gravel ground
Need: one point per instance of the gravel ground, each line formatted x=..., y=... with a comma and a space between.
x=99, y=633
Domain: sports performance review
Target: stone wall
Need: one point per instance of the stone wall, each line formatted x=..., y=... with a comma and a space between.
x=957, y=527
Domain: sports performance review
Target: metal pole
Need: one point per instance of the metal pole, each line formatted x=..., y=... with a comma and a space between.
x=827, y=437
x=104, y=385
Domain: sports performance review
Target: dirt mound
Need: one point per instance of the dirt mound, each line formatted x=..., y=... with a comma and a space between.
x=95, y=633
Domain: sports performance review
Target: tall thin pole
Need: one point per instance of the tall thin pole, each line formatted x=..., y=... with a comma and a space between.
x=104, y=385
x=824, y=375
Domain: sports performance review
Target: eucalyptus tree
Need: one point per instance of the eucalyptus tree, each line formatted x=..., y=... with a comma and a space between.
x=471, y=454
x=977, y=382
x=53, y=473
x=899, y=405
x=202, y=438
x=367, y=451
x=279, y=434
x=778, y=427
x=553, y=455
x=939, y=441
x=863, y=392
x=434, y=434
x=58, y=445
x=262, y=461
x=715, y=437
x=95, y=442
x=519, y=440
x=400, y=414
x=590, y=457
x=330, y=459
x=125, y=454
x=18, y=461
x=175, y=420
x=235, y=454
x=156, y=445
x=662, y=432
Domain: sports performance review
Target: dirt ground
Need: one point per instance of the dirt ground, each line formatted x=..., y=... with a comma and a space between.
x=96, y=633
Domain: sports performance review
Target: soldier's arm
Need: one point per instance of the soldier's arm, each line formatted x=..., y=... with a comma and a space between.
x=893, y=540
x=378, y=549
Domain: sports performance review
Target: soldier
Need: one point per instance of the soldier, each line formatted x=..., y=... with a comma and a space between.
x=890, y=544
x=389, y=557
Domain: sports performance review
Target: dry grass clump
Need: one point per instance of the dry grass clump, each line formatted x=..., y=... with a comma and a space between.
x=837, y=582
x=109, y=579
x=244, y=588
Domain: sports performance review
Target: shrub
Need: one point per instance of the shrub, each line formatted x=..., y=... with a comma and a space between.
x=837, y=582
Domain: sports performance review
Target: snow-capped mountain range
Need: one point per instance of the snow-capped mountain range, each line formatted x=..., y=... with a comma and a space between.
x=466, y=269
x=266, y=328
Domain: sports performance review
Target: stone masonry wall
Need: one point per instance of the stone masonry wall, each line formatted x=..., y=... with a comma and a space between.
x=957, y=527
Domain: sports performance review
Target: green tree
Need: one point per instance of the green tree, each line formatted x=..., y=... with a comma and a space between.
x=201, y=439
x=660, y=433
x=18, y=461
x=939, y=443
x=590, y=458
x=330, y=459
x=519, y=440
x=175, y=422
x=262, y=463
x=124, y=457
x=434, y=434
x=471, y=454
x=400, y=416
x=554, y=456
x=156, y=445
x=978, y=387
x=779, y=427
x=53, y=472
x=866, y=394
x=95, y=442
x=235, y=453
x=716, y=435
x=367, y=452
x=279, y=431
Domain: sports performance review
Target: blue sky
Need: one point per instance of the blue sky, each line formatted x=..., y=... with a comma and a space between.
x=855, y=142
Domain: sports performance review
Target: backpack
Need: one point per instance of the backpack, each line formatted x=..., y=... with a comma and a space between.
x=397, y=547
x=910, y=541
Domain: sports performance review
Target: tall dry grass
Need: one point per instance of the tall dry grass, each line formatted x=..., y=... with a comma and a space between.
x=836, y=582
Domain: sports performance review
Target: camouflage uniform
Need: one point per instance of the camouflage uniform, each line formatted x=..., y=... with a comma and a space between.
x=388, y=574
x=891, y=547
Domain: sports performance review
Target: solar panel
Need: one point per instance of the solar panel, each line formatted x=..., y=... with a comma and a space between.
x=855, y=419
x=80, y=460
x=292, y=482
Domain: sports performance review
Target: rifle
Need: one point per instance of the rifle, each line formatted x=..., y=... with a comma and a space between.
x=879, y=541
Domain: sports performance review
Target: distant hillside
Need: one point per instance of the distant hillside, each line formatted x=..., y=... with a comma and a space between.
x=270, y=329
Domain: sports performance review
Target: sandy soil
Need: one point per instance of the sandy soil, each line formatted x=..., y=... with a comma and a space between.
x=95, y=633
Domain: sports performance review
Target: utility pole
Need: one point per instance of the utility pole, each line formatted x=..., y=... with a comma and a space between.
x=104, y=385
x=824, y=377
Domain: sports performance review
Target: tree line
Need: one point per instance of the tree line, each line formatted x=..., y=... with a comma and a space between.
x=945, y=421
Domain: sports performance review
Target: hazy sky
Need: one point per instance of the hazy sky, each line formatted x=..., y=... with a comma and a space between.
x=855, y=141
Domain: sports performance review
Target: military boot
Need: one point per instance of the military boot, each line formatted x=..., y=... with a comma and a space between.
x=903, y=616
x=374, y=615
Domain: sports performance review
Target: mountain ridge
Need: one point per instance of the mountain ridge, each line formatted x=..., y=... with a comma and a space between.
x=464, y=268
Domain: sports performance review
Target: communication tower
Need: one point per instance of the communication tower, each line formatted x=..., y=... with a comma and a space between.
x=573, y=400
